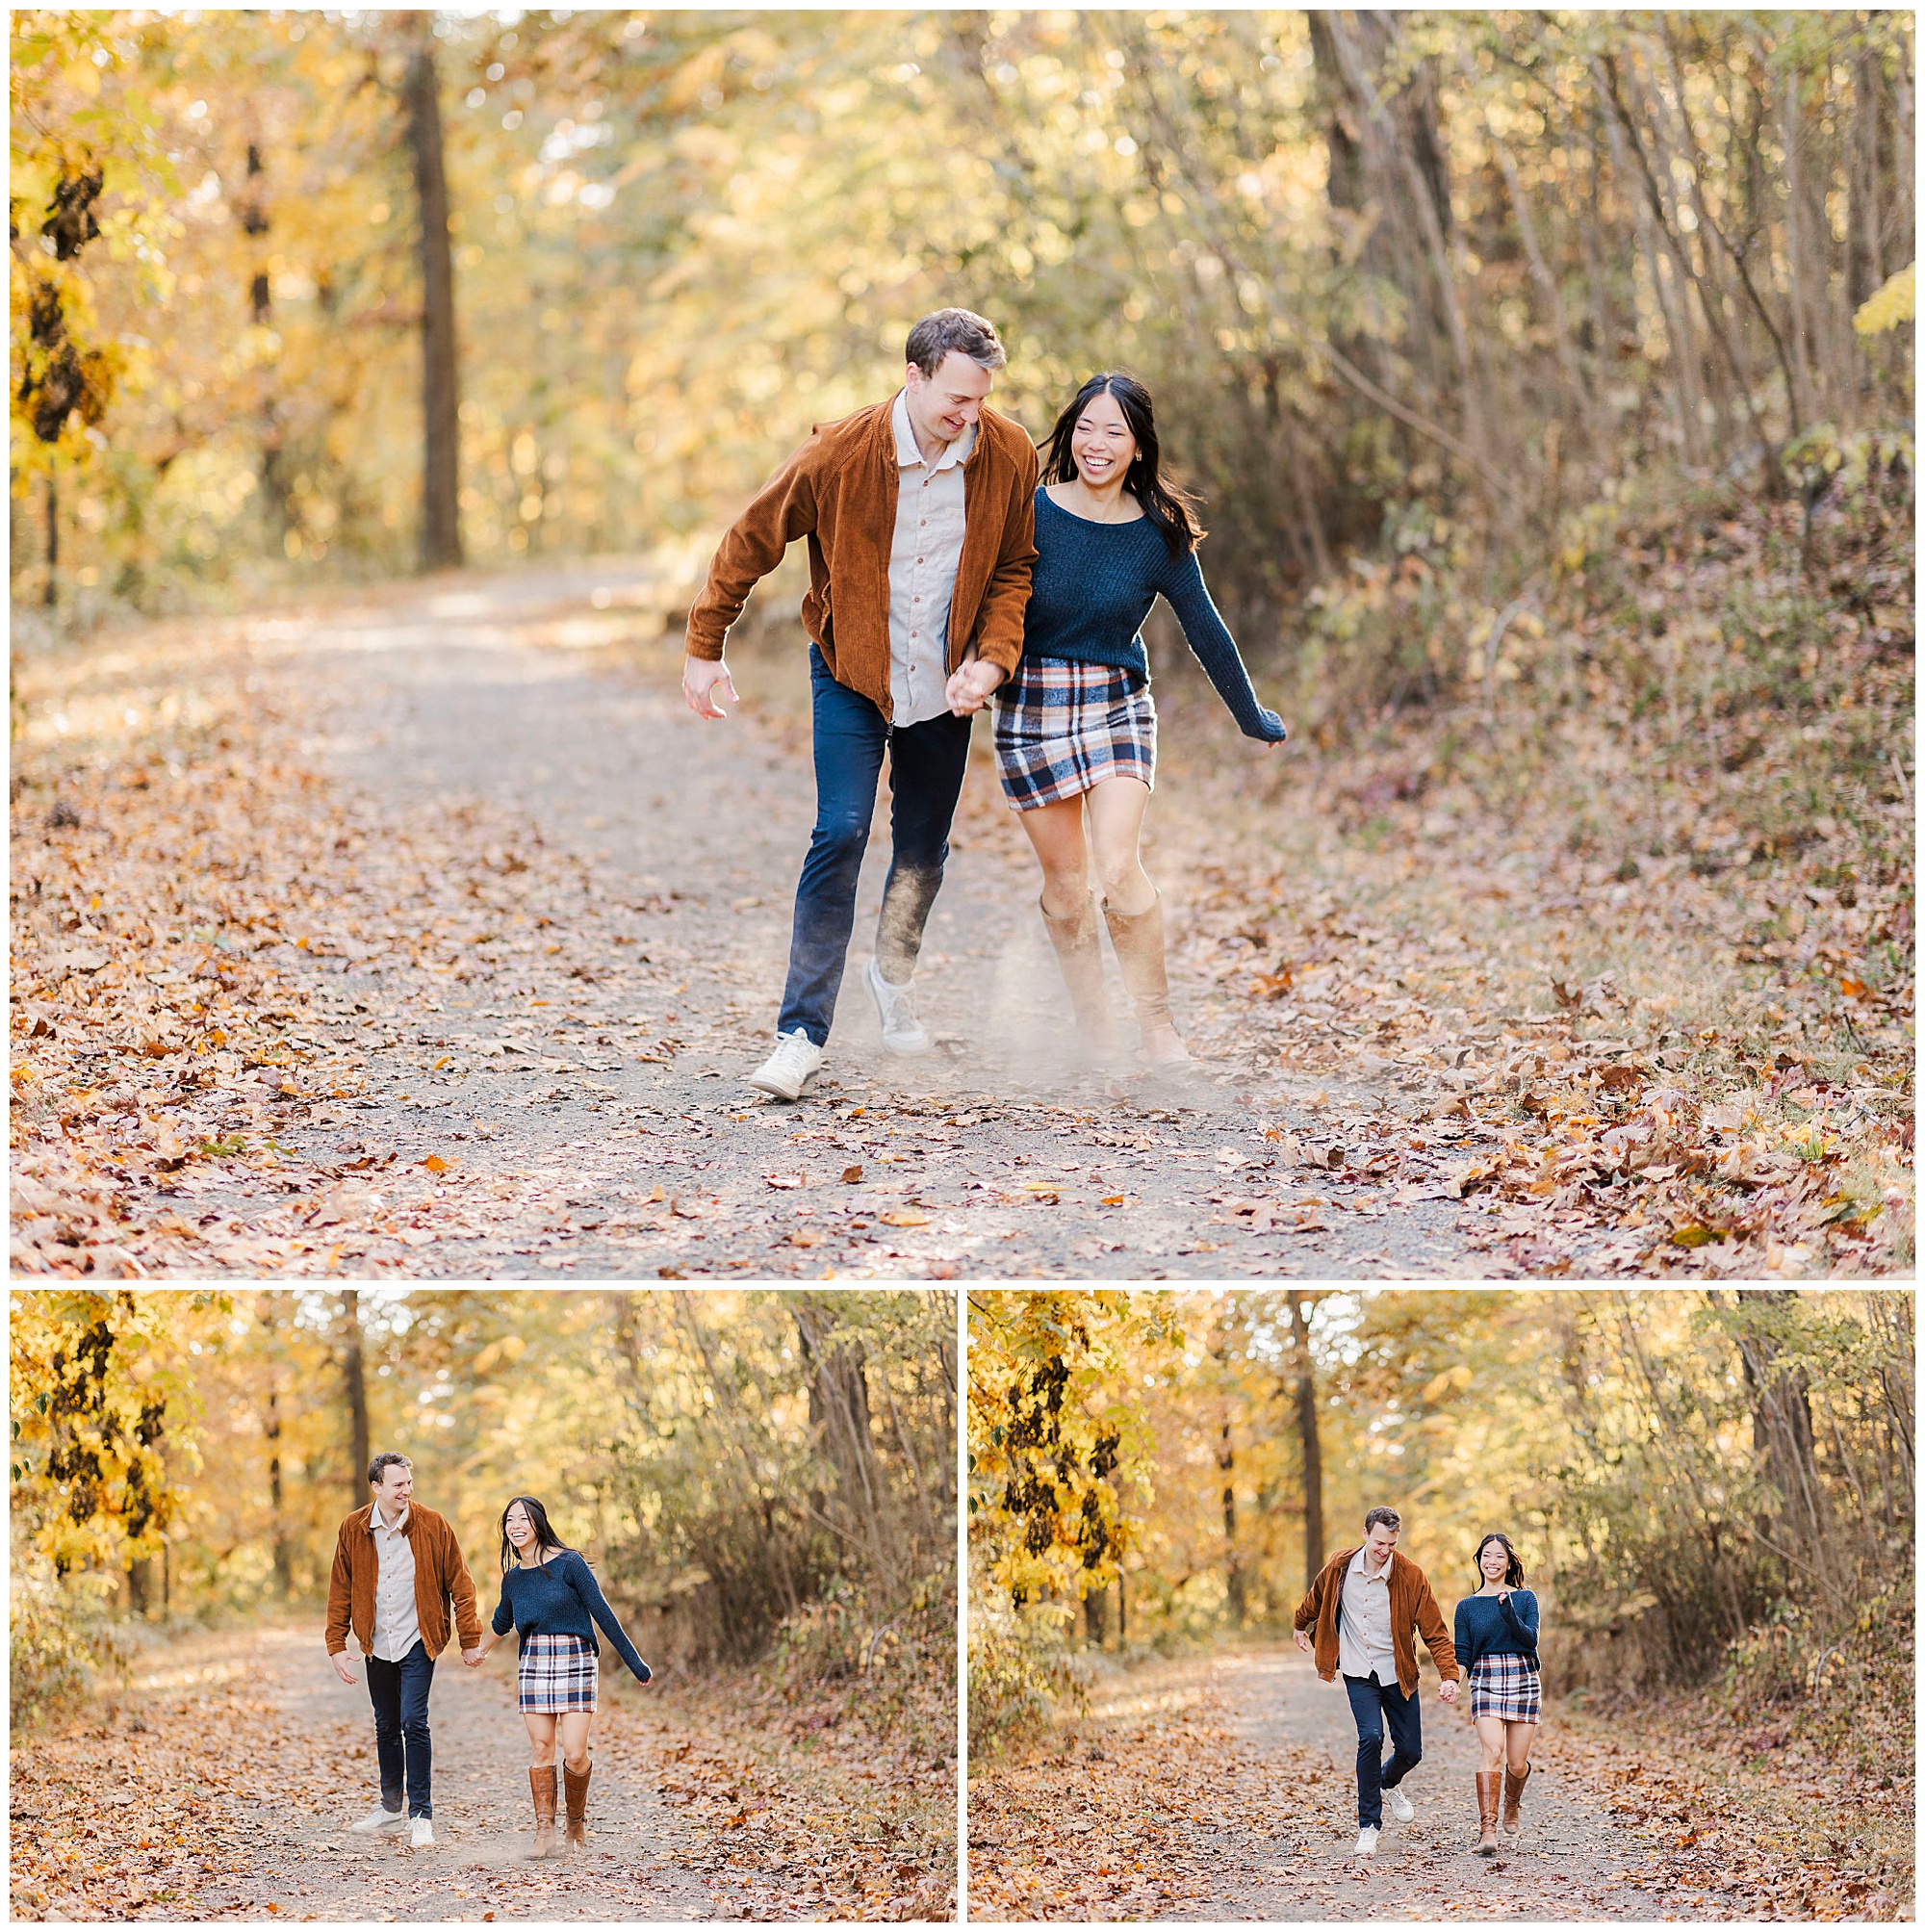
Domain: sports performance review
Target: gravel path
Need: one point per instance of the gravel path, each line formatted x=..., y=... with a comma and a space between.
x=616, y=1125
x=1223, y=1787
x=1571, y=1861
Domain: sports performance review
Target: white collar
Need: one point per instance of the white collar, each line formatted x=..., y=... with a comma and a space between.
x=908, y=453
x=375, y=1521
x=1357, y=1568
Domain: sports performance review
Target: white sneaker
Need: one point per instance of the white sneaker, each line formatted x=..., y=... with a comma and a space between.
x=380, y=1820
x=791, y=1071
x=1400, y=1807
x=421, y=1833
x=1367, y=1840
x=895, y=1006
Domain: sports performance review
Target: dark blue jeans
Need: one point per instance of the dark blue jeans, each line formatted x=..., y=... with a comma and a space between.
x=926, y=766
x=399, y=1694
x=1375, y=1706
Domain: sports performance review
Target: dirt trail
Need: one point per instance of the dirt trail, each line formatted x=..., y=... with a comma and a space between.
x=299, y=1748
x=1224, y=1787
x=648, y=1154
x=1571, y=1861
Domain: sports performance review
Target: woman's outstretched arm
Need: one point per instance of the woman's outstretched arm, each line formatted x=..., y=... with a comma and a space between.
x=1216, y=650
x=590, y=1592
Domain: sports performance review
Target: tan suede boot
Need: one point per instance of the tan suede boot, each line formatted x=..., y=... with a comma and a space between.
x=1079, y=952
x=1490, y=1785
x=576, y=1785
x=541, y=1778
x=1137, y=937
x=1513, y=1797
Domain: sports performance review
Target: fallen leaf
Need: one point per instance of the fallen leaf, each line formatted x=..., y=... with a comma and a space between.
x=852, y=1175
x=786, y=1180
x=904, y=1217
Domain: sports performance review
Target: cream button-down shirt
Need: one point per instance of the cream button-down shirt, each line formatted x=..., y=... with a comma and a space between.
x=923, y=559
x=1363, y=1623
x=396, y=1621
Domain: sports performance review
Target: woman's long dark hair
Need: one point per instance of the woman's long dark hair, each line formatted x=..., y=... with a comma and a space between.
x=1513, y=1574
x=1169, y=509
x=545, y=1537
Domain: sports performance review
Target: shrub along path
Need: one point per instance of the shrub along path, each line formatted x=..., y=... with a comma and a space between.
x=1224, y=1789
x=222, y=1786
x=425, y=934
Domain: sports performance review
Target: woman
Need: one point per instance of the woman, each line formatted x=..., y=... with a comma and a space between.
x=1076, y=725
x=550, y=1596
x=1497, y=1645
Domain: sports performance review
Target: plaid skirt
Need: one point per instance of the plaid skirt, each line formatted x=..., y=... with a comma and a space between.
x=1504, y=1687
x=557, y=1673
x=1063, y=727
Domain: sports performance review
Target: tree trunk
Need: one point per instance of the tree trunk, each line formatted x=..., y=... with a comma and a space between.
x=50, y=590
x=1226, y=1462
x=1096, y=1617
x=839, y=1410
x=1780, y=1425
x=1865, y=255
x=355, y=1375
x=1344, y=177
x=441, y=426
x=1313, y=1448
x=255, y=224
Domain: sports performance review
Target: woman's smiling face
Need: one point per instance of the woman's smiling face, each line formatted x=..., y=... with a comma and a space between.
x=1494, y=1560
x=520, y=1531
x=1102, y=441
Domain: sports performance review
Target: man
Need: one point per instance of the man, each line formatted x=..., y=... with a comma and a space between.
x=920, y=517
x=1365, y=1605
x=397, y=1568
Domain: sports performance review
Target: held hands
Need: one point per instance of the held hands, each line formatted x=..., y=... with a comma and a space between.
x=479, y=1654
x=968, y=688
x=701, y=680
x=1447, y=1691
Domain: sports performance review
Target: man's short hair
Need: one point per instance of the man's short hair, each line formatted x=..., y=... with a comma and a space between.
x=377, y=1469
x=932, y=339
x=1383, y=1515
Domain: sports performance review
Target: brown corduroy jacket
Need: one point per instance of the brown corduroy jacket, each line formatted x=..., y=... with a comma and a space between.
x=839, y=491
x=441, y=1577
x=1412, y=1608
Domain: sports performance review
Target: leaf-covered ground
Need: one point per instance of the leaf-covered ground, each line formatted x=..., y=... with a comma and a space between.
x=1224, y=1789
x=424, y=933
x=222, y=1784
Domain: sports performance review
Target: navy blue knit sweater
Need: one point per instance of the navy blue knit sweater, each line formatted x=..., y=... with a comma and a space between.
x=1496, y=1627
x=1092, y=585
x=559, y=1598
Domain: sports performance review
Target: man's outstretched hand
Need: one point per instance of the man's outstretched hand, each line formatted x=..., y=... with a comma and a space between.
x=702, y=681
x=1303, y=1641
x=343, y=1666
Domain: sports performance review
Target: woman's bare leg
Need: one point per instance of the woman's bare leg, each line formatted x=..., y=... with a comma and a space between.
x=1055, y=832
x=541, y=1736
x=1491, y=1743
x=1518, y=1740
x=575, y=1740
x=1117, y=808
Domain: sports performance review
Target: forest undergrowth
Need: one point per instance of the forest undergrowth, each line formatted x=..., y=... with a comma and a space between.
x=1639, y=893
